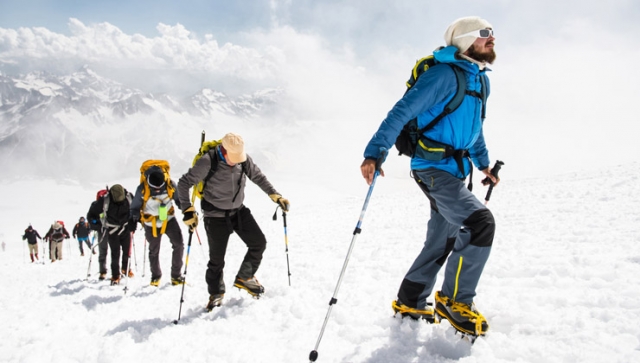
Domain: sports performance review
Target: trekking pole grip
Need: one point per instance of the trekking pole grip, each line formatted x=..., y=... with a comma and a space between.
x=494, y=171
x=381, y=158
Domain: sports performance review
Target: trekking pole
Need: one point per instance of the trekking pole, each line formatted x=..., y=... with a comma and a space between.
x=93, y=240
x=126, y=272
x=23, y=261
x=494, y=172
x=201, y=248
x=193, y=197
x=135, y=258
x=286, y=240
x=334, y=300
x=144, y=256
x=186, y=263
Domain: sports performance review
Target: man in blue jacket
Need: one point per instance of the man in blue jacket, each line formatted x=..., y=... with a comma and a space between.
x=461, y=228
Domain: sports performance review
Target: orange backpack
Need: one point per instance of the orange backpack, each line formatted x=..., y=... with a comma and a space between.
x=163, y=166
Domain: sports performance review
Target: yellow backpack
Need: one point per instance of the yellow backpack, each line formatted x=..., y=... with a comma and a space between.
x=145, y=170
x=198, y=189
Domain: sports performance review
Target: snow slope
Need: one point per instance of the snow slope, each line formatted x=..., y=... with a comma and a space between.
x=561, y=284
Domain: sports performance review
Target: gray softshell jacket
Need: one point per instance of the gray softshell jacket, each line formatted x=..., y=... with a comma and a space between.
x=223, y=184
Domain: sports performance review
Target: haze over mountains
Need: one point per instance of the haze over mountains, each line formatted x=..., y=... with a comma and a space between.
x=88, y=127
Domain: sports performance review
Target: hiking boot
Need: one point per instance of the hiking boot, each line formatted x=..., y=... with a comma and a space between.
x=252, y=286
x=130, y=273
x=215, y=300
x=155, y=282
x=115, y=281
x=414, y=313
x=463, y=317
x=177, y=280
x=102, y=276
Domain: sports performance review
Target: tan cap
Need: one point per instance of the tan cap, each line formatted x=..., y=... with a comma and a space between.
x=234, y=145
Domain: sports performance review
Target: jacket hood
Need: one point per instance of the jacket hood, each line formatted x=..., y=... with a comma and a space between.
x=448, y=55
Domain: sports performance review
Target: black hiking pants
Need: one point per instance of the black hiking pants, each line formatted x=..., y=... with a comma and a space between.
x=218, y=232
x=103, y=250
x=117, y=241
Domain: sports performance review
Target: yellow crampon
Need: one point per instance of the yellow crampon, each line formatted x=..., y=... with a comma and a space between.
x=464, y=310
x=404, y=310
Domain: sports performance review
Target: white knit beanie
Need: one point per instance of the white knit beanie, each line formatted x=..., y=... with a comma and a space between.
x=463, y=26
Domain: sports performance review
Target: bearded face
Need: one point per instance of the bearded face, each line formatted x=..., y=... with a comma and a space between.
x=482, y=54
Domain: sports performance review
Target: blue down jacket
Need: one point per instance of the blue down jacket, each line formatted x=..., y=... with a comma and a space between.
x=461, y=129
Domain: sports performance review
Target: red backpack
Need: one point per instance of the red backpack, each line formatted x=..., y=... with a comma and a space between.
x=101, y=193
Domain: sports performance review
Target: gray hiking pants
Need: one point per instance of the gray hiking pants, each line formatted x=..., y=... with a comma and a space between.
x=460, y=233
x=177, y=244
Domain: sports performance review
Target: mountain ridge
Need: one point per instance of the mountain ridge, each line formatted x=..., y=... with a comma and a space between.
x=61, y=124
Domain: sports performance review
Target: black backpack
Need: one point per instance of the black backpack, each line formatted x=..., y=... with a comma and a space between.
x=409, y=137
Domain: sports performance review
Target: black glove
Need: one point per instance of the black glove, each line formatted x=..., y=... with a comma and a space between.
x=95, y=225
x=132, y=224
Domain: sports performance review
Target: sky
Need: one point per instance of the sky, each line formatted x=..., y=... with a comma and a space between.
x=560, y=285
x=561, y=98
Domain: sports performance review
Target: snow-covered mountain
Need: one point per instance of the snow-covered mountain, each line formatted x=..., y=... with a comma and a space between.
x=53, y=125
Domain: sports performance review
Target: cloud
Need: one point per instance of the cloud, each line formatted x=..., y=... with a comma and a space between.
x=556, y=84
x=174, y=49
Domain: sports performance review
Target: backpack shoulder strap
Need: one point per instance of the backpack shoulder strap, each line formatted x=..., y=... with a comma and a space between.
x=483, y=94
x=105, y=208
x=215, y=160
x=213, y=155
x=455, y=102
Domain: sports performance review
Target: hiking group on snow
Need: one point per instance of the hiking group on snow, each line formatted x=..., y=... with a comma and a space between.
x=438, y=123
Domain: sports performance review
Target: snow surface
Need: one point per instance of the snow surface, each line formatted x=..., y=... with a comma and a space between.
x=561, y=284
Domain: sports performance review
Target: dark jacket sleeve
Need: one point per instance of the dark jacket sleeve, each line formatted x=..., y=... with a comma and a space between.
x=258, y=178
x=194, y=175
x=48, y=235
x=136, y=203
x=176, y=194
x=93, y=215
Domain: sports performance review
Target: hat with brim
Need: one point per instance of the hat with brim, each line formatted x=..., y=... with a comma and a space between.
x=117, y=193
x=234, y=147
